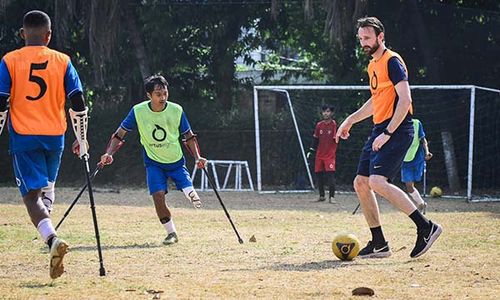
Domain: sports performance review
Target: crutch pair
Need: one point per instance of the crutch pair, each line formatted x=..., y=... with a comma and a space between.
x=90, y=176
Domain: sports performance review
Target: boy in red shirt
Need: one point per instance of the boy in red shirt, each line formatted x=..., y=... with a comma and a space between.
x=325, y=147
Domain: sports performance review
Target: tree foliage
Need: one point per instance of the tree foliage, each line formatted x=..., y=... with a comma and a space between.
x=115, y=44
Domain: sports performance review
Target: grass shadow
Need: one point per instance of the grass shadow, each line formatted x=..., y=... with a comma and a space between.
x=331, y=264
x=36, y=285
x=117, y=247
x=313, y=266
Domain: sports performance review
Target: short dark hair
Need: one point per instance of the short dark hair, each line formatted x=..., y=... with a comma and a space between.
x=327, y=106
x=36, y=19
x=371, y=22
x=154, y=80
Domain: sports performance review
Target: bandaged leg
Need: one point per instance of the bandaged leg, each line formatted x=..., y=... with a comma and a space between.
x=192, y=195
x=416, y=196
x=48, y=196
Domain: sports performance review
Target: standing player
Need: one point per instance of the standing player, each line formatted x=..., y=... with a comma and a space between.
x=381, y=157
x=160, y=124
x=414, y=164
x=326, y=146
x=38, y=79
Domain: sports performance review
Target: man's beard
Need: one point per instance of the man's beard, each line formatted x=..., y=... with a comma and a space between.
x=370, y=50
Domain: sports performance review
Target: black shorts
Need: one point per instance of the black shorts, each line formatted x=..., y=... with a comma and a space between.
x=387, y=161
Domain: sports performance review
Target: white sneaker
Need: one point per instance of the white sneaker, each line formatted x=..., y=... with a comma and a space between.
x=57, y=251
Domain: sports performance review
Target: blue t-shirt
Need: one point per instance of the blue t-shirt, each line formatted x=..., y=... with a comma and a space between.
x=20, y=142
x=397, y=71
x=420, y=155
x=130, y=124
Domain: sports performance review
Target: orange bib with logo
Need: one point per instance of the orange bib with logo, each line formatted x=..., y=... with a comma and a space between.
x=381, y=87
x=37, y=95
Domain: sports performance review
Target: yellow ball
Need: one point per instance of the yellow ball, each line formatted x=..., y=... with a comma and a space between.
x=345, y=246
x=436, y=192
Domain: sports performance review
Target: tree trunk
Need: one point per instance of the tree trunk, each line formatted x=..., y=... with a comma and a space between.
x=63, y=18
x=103, y=27
x=3, y=6
x=426, y=48
x=135, y=37
x=224, y=78
x=223, y=66
x=425, y=45
x=450, y=161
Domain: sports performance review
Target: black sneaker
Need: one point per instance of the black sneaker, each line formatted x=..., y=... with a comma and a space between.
x=425, y=238
x=171, y=239
x=372, y=251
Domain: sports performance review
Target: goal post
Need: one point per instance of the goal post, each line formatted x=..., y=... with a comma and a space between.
x=464, y=97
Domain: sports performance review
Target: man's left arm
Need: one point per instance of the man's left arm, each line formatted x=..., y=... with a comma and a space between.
x=399, y=78
x=404, y=102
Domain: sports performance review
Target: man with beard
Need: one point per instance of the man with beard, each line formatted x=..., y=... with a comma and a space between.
x=390, y=105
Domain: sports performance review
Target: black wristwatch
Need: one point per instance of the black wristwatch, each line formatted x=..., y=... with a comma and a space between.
x=386, y=132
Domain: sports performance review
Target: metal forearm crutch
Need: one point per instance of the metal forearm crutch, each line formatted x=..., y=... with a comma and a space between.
x=97, y=169
x=240, y=240
x=102, y=271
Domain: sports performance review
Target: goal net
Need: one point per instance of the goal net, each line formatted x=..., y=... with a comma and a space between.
x=462, y=126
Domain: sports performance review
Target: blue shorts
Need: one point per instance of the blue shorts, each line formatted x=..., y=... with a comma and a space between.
x=35, y=168
x=412, y=172
x=157, y=178
x=387, y=161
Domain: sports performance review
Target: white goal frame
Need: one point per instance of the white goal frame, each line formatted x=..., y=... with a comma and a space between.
x=237, y=165
x=284, y=89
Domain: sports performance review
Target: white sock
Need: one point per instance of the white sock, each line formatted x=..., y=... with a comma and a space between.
x=170, y=226
x=416, y=196
x=46, y=229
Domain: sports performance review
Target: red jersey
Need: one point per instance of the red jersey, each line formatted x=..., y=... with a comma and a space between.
x=325, y=132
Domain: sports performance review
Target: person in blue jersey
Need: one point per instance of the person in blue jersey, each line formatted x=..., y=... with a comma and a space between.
x=160, y=123
x=413, y=165
x=37, y=81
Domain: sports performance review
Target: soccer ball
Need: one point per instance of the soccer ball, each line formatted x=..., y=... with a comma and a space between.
x=345, y=246
x=436, y=192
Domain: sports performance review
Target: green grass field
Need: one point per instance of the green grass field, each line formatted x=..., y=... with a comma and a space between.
x=291, y=258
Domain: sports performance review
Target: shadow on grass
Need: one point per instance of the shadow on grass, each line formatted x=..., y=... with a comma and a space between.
x=313, y=266
x=36, y=285
x=330, y=264
x=117, y=247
